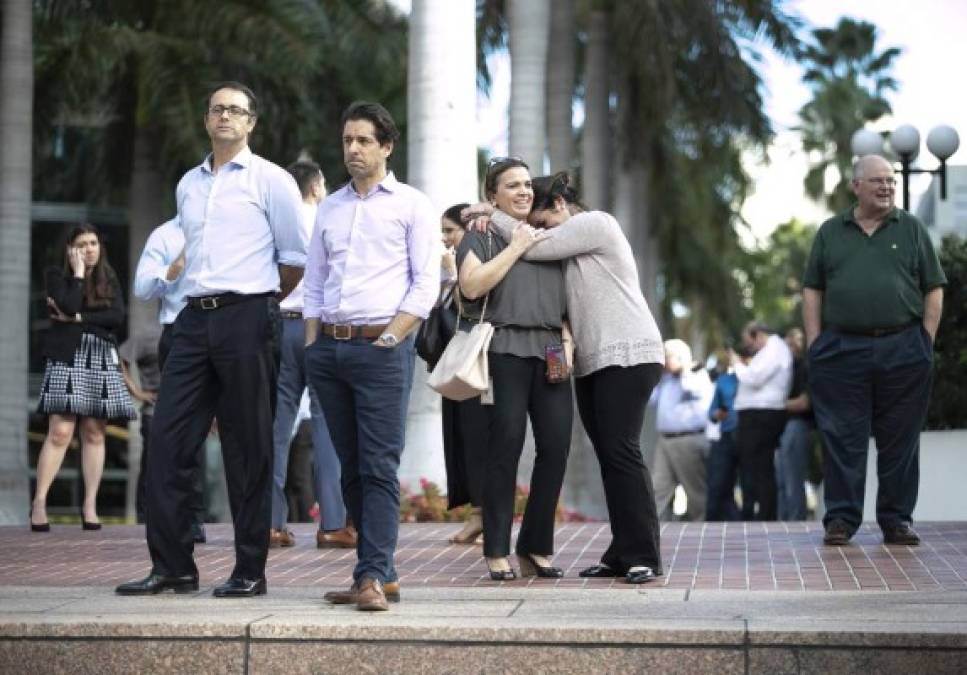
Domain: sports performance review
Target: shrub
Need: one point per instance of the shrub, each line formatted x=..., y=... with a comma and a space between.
x=948, y=402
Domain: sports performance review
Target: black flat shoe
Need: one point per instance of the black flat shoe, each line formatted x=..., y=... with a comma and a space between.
x=640, y=575
x=157, y=583
x=240, y=588
x=601, y=571
x=86, y=525
x=501, y=575
x=530, y=568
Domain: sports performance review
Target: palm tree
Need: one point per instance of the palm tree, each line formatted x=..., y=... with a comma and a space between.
x=16, y=114
x=596, y=134
x=850, y=81
x=561, y=70
x=529, y=29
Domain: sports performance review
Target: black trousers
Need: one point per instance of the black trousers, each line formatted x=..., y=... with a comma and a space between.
x=222, y=362
x=465, y=433
x=611, y=403
x=862, y=386
x=757, y=438
x=520, y=390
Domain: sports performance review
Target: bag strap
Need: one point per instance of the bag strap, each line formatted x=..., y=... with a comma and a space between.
x=458, y=294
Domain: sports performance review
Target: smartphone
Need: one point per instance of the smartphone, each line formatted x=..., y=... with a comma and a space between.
x=557, y=370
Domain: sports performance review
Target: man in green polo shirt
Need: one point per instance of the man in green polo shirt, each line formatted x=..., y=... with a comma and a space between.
x=872, y=298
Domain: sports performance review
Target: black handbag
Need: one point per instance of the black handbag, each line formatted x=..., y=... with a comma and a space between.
x=435, y=332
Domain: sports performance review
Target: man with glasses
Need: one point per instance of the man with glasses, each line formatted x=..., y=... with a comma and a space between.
x=243, y=242
x=872, y=298
x=373, y=273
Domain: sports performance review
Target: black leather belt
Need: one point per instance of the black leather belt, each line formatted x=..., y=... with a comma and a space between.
x=288, y=314
x=872, y=332
x=679, y=434
x=210, y=302
x=345, y=331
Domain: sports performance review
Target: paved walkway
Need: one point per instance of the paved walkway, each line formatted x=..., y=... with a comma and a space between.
x=709, y=556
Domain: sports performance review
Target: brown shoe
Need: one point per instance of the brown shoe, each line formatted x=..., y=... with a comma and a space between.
x=371, y=597
x=342, y=538
x=281, y=537
x=902, y=534
x=391, y=589
x=471, y=529
x=838, y=533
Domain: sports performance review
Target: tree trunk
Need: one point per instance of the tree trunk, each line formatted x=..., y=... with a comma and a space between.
x=596, y=138
x=16, y=117
x=146, y=211
x=442, y=162
x=561, y=53
x=529, y=29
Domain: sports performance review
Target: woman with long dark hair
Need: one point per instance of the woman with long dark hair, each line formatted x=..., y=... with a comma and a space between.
x=82, y=379
x=526, y=305
x=618, y=354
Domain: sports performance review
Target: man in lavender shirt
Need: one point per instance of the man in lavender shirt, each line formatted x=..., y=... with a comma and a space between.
x=371, y=276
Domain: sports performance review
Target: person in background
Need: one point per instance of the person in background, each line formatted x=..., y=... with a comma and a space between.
x=792, y=455
x=761, y=404
x=465, y=423
x=682, y=398
x=722, y=464
x=82, y=377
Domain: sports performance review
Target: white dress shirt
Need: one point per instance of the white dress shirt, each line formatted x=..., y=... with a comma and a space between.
x=164, y=245
x=765, y=381
x=373, y=256
x=682, y=402
x=239, y=224
x=293, y=301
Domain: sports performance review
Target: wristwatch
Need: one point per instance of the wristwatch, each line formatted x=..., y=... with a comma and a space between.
x=389, y=339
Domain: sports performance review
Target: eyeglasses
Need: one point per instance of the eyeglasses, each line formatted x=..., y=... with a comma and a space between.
x=233, y=111
x=882, y=182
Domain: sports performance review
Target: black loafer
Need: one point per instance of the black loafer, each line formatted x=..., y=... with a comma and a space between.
x=240, y=588
x=598, y=572
x=158, y=583
x=640, y=575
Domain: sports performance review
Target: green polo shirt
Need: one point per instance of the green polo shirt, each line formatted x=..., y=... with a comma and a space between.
x=873, y=281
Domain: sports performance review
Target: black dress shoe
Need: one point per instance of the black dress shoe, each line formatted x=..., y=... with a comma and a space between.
x=598, y=572
x=87, y=525
x=156, y=583
x=640, y=575
x=501, y=575
x=902, y=534
x=198, y=533
x=240, y=588
x=530, y=568
x=838, y=533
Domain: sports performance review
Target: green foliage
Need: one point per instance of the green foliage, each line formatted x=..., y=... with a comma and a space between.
x=850, y=81
x=948, y=402
x=771, y=276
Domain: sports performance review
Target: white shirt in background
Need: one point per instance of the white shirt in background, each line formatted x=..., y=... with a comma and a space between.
x=764, y=382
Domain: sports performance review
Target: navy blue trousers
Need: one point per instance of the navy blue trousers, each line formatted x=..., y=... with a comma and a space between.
x=862, y=386
x=721, y=471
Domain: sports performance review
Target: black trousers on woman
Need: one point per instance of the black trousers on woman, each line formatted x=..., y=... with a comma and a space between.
x=612, y=404
x=465, y=431
x=520, y=390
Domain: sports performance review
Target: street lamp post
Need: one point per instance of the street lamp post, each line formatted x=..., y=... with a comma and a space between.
x=942, y=141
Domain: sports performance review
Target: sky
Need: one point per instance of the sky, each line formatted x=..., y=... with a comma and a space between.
x=932, y=35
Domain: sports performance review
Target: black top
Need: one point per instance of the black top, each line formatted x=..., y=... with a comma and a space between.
x=63, y=339
x=799, y=380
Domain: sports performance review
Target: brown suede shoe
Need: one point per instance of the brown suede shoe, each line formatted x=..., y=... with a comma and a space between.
x=391, y=589
x=282, y=537
x=342, y=538
x=371, y=597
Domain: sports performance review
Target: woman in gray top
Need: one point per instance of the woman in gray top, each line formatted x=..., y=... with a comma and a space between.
x=526, y=305
x=618, y=360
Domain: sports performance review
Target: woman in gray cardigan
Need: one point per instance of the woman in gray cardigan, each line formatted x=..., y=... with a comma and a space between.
x=526, y=305
x=618, y=360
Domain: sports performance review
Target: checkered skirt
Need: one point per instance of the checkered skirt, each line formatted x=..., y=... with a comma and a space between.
x=90, y=387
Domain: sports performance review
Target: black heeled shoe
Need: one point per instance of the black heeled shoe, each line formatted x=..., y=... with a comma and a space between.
x=530, y=568
x=500, y=575
x=36, y=527
x=85, y=525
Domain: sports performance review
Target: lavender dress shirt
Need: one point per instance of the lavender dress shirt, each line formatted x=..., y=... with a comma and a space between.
x=372, y=256
x=164, y=245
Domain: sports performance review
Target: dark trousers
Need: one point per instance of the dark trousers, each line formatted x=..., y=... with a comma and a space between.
x=465, y=437
x=140, y=498
x=611, y=403
x=871, y=385
x=757, y=438
x=521, y=389
x=222, y=362
x=362, y=389
x=721, y=470
x=197, y=503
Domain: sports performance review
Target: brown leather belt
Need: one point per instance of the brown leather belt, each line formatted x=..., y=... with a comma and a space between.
x=345, y=331
x=289, y=314
x=872, y=332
